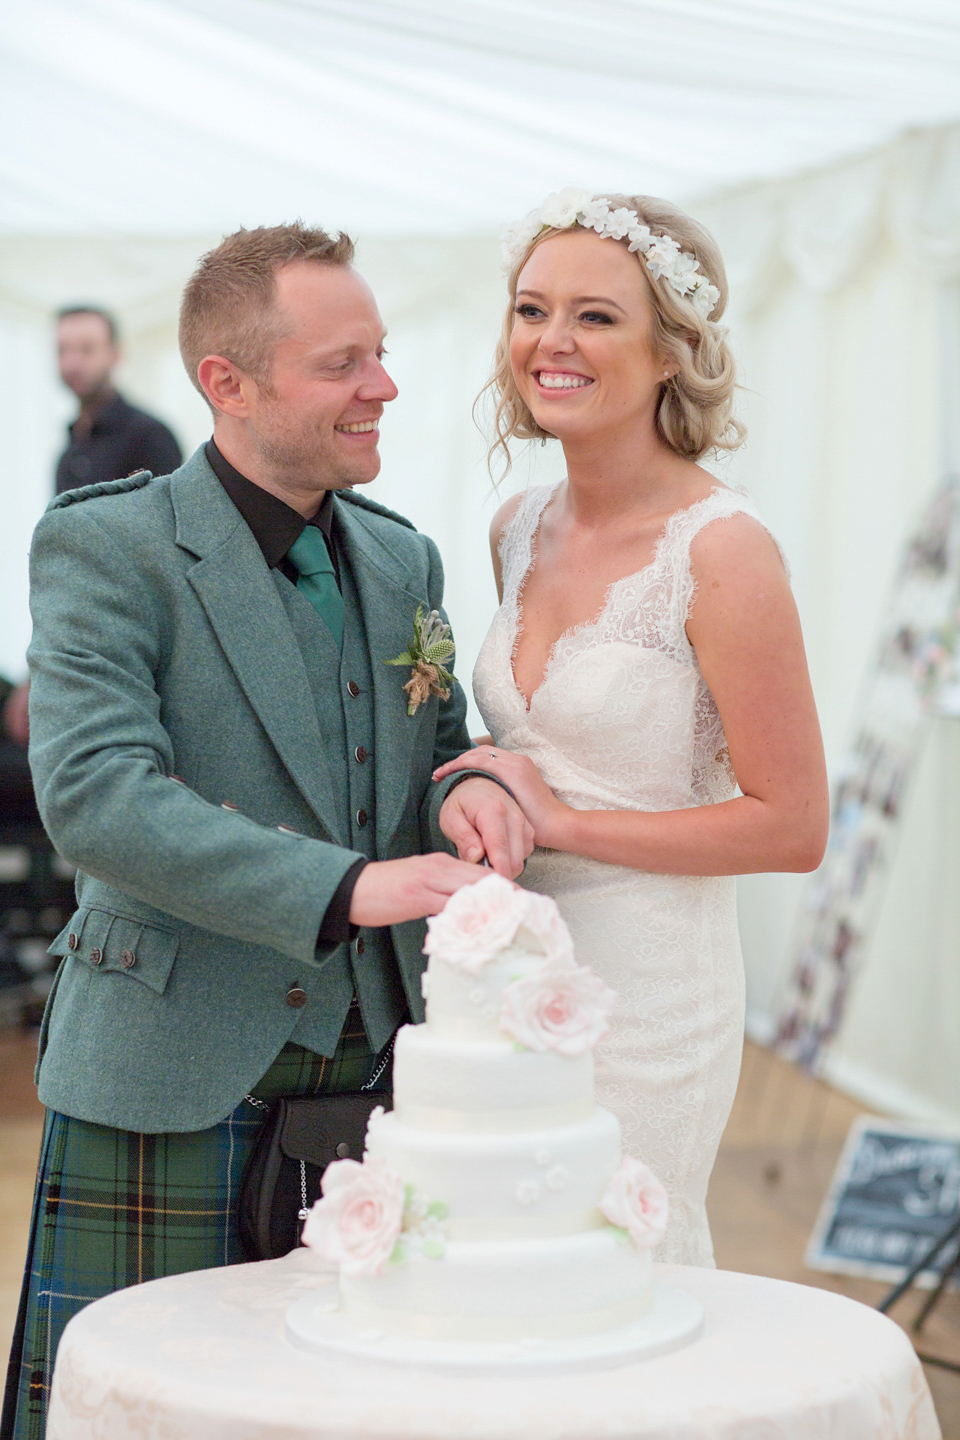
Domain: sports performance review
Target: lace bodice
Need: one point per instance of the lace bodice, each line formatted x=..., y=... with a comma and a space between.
x=623, y=717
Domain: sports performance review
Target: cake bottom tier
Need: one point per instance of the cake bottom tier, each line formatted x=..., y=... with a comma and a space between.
x=513, y=1290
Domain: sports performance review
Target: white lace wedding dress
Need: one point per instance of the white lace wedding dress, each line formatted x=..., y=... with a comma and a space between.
x=624, y=721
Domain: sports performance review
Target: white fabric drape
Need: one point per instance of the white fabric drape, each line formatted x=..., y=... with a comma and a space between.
x=182, y=116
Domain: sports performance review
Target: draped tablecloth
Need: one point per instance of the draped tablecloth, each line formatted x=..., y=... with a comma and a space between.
x=205, y=1356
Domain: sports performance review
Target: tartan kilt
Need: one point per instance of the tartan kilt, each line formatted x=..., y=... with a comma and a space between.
x=114, y=1208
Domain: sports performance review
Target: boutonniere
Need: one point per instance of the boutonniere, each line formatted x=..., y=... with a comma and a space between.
x=432, y=643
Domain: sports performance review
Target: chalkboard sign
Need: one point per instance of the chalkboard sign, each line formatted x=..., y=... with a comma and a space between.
x=896, y=1187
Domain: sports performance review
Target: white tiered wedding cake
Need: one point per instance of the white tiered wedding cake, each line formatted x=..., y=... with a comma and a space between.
x=493, y=1211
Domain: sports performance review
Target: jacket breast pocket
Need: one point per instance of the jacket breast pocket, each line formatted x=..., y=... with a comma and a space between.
x=107, y=942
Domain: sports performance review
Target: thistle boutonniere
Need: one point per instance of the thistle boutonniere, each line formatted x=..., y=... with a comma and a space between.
x=432, y=643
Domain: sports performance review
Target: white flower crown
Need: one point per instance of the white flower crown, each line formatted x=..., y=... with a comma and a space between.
x=664, y=258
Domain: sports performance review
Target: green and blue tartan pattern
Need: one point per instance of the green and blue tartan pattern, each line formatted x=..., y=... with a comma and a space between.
x=115, y=1208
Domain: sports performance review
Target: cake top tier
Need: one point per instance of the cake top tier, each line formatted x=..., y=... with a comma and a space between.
x=502, y=968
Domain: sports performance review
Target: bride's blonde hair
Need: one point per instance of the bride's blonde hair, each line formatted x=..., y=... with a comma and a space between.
x=695, y=414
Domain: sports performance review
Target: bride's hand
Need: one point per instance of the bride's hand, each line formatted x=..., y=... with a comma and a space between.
x=537, y=801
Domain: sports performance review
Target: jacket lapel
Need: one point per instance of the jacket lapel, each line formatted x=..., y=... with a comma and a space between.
x=389, y=598
x=239, y=596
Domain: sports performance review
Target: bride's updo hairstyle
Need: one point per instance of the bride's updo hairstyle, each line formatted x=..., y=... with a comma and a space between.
x=695, y=415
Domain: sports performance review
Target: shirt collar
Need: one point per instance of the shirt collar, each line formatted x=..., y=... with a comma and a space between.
x=275, y=525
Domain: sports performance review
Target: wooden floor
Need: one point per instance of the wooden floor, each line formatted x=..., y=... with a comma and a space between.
x=775, y=1163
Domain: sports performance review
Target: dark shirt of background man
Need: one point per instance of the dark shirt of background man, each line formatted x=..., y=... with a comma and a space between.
x=109, y=438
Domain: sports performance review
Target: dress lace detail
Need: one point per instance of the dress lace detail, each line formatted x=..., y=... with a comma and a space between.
x=623, y=719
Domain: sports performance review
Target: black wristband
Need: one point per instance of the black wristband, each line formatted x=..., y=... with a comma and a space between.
x=461, y=775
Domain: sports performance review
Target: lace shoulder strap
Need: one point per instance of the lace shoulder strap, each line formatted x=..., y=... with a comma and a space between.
x=680, y=531
x=516, y=542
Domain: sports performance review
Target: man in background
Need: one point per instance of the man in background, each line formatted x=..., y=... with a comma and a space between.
x=109, y=438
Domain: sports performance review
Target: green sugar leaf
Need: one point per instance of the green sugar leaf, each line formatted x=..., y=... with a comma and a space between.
x=439, y=1209
x=398, y=1254
x=433, y=1249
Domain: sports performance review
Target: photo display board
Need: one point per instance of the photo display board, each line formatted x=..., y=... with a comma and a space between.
x=916, y=657
x=895, y=1189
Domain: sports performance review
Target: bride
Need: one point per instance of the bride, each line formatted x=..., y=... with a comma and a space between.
x=644, y=680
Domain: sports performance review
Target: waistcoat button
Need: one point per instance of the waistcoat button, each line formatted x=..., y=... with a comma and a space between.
x=96, y=955
x=179, y=779
x=343, y=1150
x=360, y=945
x=288, y=828
x=361, y=753
x=296, y=998
x=361, y=818
x=353, y=689
x=228, y=805
x=128, y=959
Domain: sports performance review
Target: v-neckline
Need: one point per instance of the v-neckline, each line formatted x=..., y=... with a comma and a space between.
x=584, y=625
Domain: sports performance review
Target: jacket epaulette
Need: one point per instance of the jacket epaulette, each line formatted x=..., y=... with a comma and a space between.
x=365, y=504
x=136, y=481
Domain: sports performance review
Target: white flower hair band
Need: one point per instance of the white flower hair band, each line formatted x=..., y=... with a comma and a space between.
x=663, y=256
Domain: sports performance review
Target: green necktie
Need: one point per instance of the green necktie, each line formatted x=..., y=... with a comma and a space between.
x=318, y=581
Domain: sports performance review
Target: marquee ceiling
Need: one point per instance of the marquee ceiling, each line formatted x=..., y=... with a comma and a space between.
x=173, y=117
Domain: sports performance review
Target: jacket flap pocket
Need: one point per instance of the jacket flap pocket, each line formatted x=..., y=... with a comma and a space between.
x=108, y=942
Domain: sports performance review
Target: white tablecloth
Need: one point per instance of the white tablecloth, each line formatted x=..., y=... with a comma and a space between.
x=205, y=1356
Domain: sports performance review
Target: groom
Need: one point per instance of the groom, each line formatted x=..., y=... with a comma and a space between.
x=220, y=745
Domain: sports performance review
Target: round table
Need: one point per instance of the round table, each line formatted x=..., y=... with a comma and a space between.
x=205, y=1356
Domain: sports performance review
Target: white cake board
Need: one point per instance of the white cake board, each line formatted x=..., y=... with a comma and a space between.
x=315, y=1322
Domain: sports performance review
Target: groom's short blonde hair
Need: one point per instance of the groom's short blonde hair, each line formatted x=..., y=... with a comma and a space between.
x=228, y=306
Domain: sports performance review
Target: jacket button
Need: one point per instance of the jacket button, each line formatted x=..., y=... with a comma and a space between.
x=360, y=753
x=287, y=828
x=96, y=955
x=296, y=998
x=128, y=959
x=343, y=1150
x=72, y=941
x=361, y=818
x=353, y=689
x=228, y=805
x=360, y=945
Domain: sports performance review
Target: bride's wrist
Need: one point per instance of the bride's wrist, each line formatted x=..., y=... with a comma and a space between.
x=558, y=832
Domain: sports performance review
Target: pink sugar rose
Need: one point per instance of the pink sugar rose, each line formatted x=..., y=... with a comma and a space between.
x=357, y=1221
x=562, y=1007
x=635, y=1201
x=476, y=923
x=543, y=919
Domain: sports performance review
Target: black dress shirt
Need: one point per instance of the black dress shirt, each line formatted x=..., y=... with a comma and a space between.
x=120, y=440
x=276, y=526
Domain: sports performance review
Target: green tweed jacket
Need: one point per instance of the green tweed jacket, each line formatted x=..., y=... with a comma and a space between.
x=187, y=747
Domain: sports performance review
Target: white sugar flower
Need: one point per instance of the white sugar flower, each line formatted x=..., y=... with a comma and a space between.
x=527, y=1192
x=558, y=1178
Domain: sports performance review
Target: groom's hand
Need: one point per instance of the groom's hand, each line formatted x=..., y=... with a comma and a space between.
x=388, y=892
x=483, y=820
